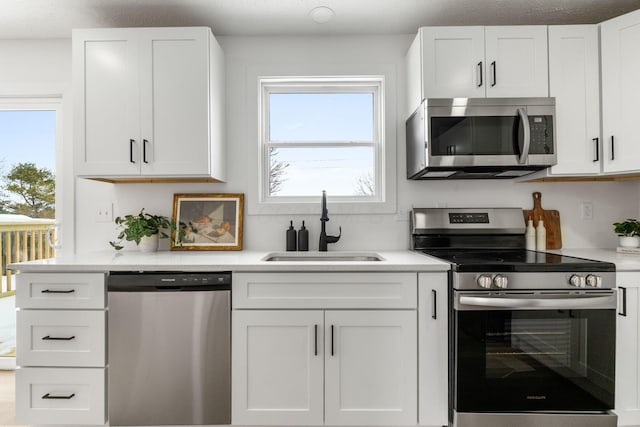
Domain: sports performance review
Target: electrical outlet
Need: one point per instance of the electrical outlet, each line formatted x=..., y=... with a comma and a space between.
x=104, y=213
x=586, y=210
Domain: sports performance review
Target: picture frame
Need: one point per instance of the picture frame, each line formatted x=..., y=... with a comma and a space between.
x=208, y=222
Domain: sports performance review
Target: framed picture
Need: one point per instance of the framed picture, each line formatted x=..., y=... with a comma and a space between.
x=208, y=222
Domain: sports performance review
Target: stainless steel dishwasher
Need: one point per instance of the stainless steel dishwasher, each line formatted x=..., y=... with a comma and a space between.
x=169, y=348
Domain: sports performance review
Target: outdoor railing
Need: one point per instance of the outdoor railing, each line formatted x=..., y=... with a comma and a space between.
x=23, y=241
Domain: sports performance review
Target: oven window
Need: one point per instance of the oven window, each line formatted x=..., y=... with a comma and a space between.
x=535, y=360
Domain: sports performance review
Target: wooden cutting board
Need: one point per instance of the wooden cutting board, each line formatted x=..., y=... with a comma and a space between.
x=551, y=220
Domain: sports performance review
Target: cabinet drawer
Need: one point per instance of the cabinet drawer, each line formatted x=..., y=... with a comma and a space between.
x=325, y=290
x=60, y=290
x=60, y=338
x=60, y=396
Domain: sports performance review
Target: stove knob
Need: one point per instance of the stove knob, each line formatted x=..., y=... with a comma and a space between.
x=500, y=281
x=577, y=281
x=594, y=281
x=484, y=281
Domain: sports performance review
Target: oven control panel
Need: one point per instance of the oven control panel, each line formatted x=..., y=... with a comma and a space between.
x=585, y=281
x=533, y=280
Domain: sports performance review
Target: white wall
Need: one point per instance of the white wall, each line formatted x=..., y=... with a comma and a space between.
x=47, y=61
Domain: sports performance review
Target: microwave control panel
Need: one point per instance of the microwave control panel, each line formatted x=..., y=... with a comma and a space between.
x=541, y=128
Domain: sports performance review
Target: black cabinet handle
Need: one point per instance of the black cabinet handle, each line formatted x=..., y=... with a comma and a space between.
x=332, y=352
x=144, y=150
x=493, y=71
x=49, y=291
x=315, y=340
x=50, y=338
x=480, y=73
x=624, y=302
x=597, y=141
x=131, y=142
x=434, y=308
x=613, y=153
x=49, y=396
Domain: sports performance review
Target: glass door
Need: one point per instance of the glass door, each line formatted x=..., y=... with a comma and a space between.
x=534, y=360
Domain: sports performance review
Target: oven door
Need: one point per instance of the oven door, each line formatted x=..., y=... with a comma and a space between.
x=534, y=351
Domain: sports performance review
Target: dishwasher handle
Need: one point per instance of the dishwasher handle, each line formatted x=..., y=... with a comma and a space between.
x=168, y=281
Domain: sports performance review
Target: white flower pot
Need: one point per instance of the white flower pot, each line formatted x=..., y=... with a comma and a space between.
x=629, y=241
x=148, y=243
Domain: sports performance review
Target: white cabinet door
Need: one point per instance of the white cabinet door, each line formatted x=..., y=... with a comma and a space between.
x=175, y=101
x=432, y=348
x=620, y=91
x=574, y=80
x=61, y=396
x=465, y=62
x=106, y=102
x=277, y=369
x=517, y=63
x=149, y=102
x=370, y=368
x=453, y=62
x=627, y=405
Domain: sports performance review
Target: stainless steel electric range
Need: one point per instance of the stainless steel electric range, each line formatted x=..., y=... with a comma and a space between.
x=531, y=334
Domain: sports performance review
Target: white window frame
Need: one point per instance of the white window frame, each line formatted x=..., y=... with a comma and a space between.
x=325, y=84
x=43, y=103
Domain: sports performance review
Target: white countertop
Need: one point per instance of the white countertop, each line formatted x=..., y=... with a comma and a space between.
x=225, y=261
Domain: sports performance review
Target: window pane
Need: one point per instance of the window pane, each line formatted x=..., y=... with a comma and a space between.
x=302, y=171
x=321, y=116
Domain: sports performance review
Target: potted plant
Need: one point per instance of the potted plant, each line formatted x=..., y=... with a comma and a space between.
x=628, y=232
x=144, y=229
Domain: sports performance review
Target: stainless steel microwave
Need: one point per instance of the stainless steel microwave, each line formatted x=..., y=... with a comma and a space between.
x=476, y=138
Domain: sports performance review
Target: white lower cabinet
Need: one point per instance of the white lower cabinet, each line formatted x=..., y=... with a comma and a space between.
x=331, y=366
x=324, y=367
x=433, y=323
x=627, y=404
x=61, y=349
x=371, y=367
x=277, y=372
x=64, y=396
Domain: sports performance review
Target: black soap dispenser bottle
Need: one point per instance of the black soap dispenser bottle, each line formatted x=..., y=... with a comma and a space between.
x=291, y=238
x=303, y=238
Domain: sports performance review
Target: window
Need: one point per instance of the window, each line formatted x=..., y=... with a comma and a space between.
x=322, y=134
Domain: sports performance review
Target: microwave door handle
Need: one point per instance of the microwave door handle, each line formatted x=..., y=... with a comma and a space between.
x=524, y=154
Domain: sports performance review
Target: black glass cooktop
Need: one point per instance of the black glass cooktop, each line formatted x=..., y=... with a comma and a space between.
x=484, y=260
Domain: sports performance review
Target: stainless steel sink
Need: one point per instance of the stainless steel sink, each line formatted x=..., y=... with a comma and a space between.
x=322, y=257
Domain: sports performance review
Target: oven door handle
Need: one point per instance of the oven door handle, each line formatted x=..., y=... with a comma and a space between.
x=608, y=301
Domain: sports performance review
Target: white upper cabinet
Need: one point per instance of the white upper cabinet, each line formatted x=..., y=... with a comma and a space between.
x=472, y=62
x=516, y=61
x=620, y=91
x=449, y=56
x=149, y=102
x=574, y=80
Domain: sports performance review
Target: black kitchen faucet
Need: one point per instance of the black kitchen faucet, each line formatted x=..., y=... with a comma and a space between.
x=324, y=217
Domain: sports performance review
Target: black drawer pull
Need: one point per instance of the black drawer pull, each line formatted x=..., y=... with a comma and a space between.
x=49, y=291
x=49, y=396
x=50, y=338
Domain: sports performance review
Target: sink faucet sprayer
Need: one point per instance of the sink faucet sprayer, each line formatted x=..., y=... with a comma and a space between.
x=324, y=217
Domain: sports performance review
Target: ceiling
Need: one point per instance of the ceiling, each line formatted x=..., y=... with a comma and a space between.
x=33, y=19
